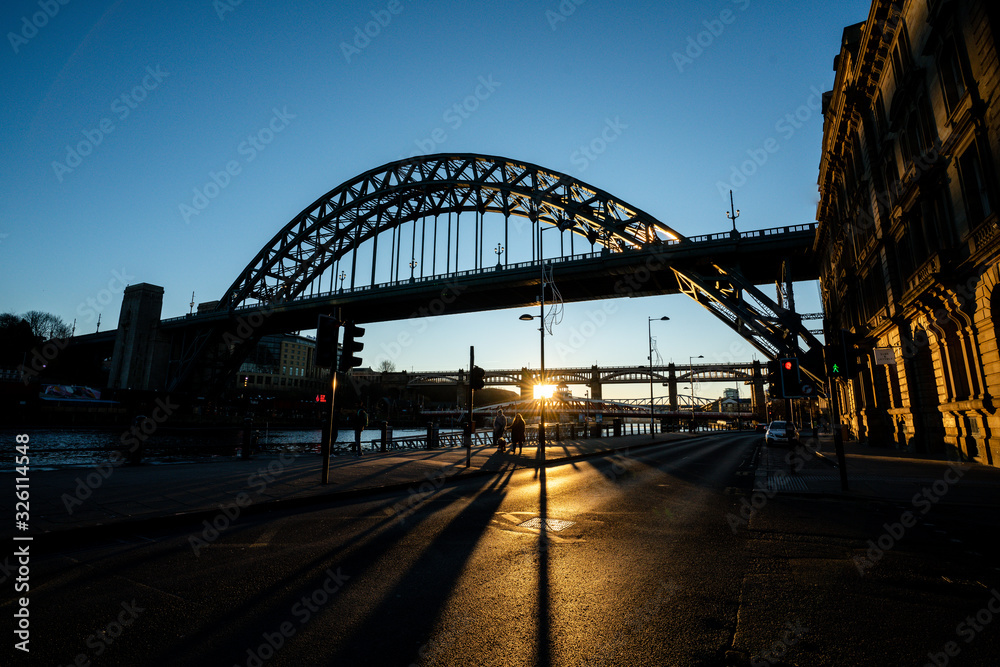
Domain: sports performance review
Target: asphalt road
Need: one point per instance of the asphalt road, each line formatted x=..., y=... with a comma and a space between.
x=644, y=563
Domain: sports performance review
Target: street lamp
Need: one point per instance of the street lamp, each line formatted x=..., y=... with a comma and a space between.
x=732, y=213
x=649, y=325
x=342, y=276
x=562, y=226
x=691, y=378
x=499, y=251
x=413, y=265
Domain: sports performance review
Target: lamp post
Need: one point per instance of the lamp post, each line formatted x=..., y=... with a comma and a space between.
x=541, y=329
x=732, y=214
x=691, y=379
x=342, y=276
x=649, y=325
x=413, y=265
x=499, y=251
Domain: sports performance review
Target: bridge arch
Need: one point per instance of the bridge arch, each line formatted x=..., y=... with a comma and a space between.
x=381, y=200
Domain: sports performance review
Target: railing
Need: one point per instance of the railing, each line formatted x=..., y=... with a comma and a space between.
x=554, y=432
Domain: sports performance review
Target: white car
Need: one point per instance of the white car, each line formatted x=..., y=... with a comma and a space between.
x=781, y=433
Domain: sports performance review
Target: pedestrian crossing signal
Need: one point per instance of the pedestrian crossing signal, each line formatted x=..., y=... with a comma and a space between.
x=836, y=366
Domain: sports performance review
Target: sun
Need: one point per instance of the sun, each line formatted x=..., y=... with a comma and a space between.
x=544, y=390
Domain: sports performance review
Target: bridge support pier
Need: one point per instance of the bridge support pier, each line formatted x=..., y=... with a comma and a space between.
x=672, y=382
x=595, y=383
x=462, y=395
x=527, y=385
x=140, y=356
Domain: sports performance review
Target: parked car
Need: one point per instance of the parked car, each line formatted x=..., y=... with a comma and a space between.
x=781, y=433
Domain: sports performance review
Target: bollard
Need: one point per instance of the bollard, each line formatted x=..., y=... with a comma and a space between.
x=386, y=435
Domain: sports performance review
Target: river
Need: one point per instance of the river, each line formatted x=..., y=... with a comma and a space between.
x=82, y=447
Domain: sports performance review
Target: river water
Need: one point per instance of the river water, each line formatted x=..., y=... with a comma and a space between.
x=79, y=447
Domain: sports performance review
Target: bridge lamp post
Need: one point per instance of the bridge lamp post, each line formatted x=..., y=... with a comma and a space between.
x=342, y=276
x=649, y=325
x=732, y=214
x=413, y=265
x=499, y=251
x=691, y=378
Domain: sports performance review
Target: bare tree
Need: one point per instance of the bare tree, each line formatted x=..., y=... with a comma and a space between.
x=47, y=325
x=386, y=366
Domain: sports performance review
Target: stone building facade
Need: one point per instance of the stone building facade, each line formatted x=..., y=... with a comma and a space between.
x=909, y=236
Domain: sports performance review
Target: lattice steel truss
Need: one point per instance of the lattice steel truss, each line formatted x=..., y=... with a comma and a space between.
x=769, y=327
x=398, y=192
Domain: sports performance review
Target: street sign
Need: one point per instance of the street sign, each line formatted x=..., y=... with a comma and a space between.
x=884, y=356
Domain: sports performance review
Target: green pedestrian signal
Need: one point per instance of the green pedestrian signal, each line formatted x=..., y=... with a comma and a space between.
x=836, y=366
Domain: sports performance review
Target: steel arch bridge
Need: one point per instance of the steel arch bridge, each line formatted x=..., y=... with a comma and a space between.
x=383, y=199
x=400, y=214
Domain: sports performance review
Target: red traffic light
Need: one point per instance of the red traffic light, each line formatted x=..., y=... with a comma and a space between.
x=788, y=364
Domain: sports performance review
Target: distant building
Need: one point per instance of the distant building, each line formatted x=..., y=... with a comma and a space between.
x=909, y=238
x=282, y=363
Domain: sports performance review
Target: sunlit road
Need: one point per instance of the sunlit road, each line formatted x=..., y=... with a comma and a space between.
x=640, y=566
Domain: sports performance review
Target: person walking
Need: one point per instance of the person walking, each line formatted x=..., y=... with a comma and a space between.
x=517, y=434
x=360, y=424
x=499, y=426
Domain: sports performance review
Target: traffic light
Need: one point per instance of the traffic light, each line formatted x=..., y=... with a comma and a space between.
x=477, y=378
x=772, y=378
x=842, y=354
x=327, y=332
x=791, y=385
x=351, y=345
x=836, y=363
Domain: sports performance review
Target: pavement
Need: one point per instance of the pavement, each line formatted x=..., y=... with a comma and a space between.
x=874, y=473
x=103, y=500
x=73, y=503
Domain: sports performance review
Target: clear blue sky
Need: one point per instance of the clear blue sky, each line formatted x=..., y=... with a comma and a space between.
x=163, y=94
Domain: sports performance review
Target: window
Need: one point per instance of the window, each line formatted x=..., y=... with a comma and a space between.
x=897, y=67
x=952, y=81
x=878, y=115
x=974, y=189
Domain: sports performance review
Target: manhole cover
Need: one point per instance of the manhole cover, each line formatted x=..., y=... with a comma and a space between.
x=551, y=524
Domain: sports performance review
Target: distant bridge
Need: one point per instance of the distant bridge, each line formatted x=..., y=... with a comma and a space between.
x=672, y=375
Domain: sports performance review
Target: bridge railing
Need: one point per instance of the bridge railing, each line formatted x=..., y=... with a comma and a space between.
x=753, y=233
x=361, y=289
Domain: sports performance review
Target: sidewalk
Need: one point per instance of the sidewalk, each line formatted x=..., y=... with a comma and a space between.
x=875, y=473
x=100, y=500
